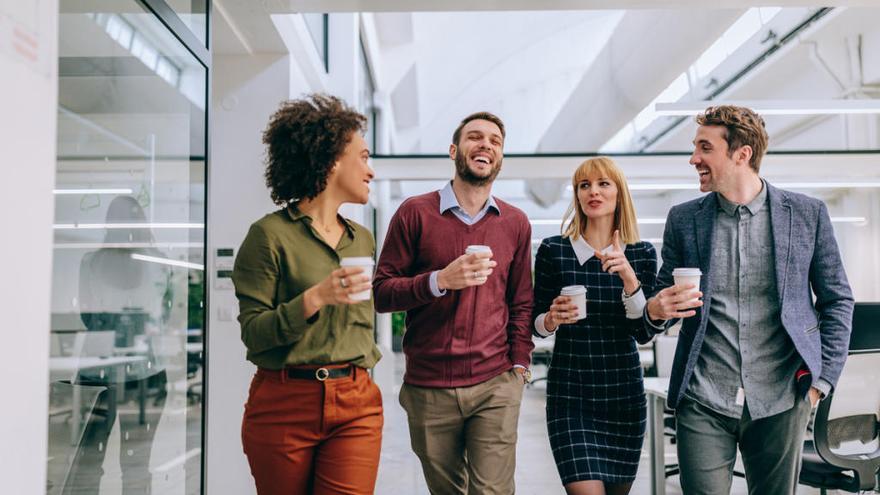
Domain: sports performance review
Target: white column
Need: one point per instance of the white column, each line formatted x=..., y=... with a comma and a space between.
x=344, y=78
x=383, y=218
x=247, y=90
x=28, y=62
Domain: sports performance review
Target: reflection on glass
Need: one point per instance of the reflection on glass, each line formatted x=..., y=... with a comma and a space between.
x=193, y=13
x=122, y=305
x=127, y=292
x=365, y=97
x=317, y=25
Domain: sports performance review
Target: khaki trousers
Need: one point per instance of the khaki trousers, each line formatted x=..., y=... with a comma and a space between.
x=312, y=437
x=466, y=437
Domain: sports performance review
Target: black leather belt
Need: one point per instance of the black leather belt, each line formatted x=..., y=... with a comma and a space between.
x=319, y=374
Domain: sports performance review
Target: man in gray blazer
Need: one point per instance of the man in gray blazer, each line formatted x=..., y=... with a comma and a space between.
x=756, y=352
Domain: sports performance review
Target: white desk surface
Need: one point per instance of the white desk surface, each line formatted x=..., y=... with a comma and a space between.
x=657, y=386
x=73, y=363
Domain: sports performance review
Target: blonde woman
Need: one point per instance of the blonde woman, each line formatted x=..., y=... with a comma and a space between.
x=596, y=404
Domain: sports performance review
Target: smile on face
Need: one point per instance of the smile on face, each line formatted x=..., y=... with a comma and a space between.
x=481, y=145
x=597, y=196
x=352, y=173
x=711, y=158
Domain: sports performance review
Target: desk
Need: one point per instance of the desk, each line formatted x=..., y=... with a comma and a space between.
x=646, y=357
x=68, y=367
x=656, y=389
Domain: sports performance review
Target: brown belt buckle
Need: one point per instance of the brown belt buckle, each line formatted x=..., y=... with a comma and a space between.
x=322, y=374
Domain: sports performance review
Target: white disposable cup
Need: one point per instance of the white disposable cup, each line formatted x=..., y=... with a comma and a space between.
x=366, y=263
x=686, y=276
x=578, y=295
x=477, y=248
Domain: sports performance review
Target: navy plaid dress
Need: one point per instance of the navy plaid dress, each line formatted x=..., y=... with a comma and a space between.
x=596, y=407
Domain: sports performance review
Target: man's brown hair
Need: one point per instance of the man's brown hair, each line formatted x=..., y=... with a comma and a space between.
x=477, y=116
x=744, y=128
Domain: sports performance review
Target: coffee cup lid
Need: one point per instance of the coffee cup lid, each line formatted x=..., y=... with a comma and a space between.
x=573, y=290
x=356, y=261
x=477, y=248
x=686, y=272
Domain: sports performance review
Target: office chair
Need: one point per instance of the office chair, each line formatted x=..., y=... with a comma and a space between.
x=844, y=453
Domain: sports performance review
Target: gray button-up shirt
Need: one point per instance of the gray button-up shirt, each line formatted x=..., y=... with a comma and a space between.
x=745, y=345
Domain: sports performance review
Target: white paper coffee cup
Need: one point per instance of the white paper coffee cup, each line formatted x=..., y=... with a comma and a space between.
x=687, y=276
x=477, y=248
x=366, y=263
x=578, y=295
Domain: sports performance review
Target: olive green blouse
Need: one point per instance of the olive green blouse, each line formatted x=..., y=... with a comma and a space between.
x=281, y=257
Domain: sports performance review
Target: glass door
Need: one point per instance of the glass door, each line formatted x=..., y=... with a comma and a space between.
x=127, y=322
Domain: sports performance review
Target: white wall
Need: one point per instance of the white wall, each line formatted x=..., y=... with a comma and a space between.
x=247, y=90
x=27, y=139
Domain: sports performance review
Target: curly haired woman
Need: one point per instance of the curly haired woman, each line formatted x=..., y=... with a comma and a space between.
x=313, y=419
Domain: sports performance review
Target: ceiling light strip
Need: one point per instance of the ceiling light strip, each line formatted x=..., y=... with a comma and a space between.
x=91, y=191
x=775, y=107
x=112, y=226
x=661, y=221
x=167, y=261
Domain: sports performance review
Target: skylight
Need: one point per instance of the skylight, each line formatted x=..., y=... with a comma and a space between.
x=733, y=38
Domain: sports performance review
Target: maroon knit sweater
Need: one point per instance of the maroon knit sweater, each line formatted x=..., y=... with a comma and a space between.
x=466, y=336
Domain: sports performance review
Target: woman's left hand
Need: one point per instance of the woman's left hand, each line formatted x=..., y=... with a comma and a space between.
x=615, y=262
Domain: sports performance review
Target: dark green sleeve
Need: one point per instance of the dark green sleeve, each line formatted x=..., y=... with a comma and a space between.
x=265, y=325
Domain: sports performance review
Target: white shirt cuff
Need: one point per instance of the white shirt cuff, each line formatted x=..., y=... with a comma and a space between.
x=634, y=304
x=661, y=327
x=435, y=286
x=539, y=326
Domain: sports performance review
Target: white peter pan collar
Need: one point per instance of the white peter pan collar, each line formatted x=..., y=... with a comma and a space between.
x=584, y=251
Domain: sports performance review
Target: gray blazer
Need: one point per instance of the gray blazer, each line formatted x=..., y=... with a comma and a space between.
x=807, y=258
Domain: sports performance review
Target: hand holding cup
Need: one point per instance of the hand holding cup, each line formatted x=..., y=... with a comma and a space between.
x=563, y=311
x=679, y=300
x=366, y=263
x=468, y=270
x=340, y=287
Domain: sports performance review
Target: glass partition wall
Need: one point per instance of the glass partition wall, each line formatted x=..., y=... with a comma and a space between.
x=127, y=326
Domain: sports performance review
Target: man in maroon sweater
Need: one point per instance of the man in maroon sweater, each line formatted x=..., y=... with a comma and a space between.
x=468, y=340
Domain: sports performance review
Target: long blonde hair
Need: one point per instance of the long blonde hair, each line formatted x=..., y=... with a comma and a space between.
x=574, y=222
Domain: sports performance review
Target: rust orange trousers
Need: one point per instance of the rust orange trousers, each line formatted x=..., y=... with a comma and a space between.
x=305, y=436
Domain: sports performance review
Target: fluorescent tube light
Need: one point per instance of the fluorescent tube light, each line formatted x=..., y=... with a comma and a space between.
x=661, y=221
x=87, y=226
x=688, y=186
x=128, y=245
x=775, y=107
x=92, y=191
x=166, y=261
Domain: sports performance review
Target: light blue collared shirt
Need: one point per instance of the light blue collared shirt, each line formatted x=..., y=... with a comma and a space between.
x=448, y=201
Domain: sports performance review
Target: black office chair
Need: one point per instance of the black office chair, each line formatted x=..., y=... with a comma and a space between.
x=844, y=453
